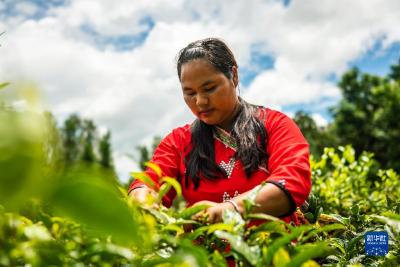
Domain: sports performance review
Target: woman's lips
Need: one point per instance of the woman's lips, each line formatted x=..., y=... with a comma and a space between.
x=206, y=113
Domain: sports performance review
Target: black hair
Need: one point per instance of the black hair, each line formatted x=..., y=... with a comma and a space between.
x=248, y=131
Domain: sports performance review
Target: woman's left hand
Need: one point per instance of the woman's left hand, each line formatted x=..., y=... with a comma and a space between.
x=213, y=214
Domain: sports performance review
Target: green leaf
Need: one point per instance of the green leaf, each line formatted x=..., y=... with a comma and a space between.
x=232, y=217
x=109, y=249
x=209, y=229
x=336, y=218
x=281, y=258
x=310, y=263
x=181, y=221
x=145, y=178
x=391, y=219
x=354, y=242
x=174, y=184
x=338, y=243
x=250, y=200
x=161, y=216
x=164, y=188
x=217, y=260
x=262, y=216
x=189, y=212
x=310, y=251
x=185, y=255
x=284, y=240
x=195, y=252
x=250, y=253
x=198, y=232
x=37, y=232
x=3, y=85
x=155, y=168
x=325, y=228
x=219, y=226
x=310, y=217
x=98, y=207
x=173, y=227
x=23, y=158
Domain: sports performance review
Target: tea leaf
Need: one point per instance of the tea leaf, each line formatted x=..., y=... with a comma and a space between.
x=174, y=183
x=189, y=212
x=155, y=168
x=281, y=258
x=145, y=178
x=164, y=188
x=282, y=241
x=310, y=251
x=250, y=253
x=3, y=85
x=99, y=208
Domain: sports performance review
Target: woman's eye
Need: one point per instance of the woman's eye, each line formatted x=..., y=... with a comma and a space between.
x=190, y=93
x=211, y=89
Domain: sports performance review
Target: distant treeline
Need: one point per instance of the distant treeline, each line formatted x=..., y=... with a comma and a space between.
x=367, y=117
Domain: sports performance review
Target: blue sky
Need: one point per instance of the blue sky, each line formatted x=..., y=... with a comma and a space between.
x=375, y=61
x=125, y=42
x=115, y=63
x=378, y=60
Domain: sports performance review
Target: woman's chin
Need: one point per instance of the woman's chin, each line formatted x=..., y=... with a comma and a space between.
x=208, y=121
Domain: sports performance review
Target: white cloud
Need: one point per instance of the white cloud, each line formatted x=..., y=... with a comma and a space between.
x=136, y=93
x=284, y=86
x=106, y=17
x=319, y=120
x=124, y=165
x=26, y=8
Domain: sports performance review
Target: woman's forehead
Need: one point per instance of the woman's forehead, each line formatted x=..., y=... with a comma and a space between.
x=198, y=71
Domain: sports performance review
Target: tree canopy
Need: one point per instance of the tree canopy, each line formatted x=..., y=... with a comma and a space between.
x=367, y=117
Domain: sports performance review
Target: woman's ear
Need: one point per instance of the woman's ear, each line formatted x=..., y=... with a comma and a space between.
x=235, y=77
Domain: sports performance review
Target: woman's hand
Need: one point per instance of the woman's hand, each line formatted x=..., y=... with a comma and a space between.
x=145, y=196
x=213, y=214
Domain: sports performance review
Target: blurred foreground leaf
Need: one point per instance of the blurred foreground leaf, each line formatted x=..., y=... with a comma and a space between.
x=250, y=253
x=22, y=157
x=98, y=205
x=2, y=85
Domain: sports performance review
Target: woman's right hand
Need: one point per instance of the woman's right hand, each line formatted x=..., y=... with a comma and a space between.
x=145, y=196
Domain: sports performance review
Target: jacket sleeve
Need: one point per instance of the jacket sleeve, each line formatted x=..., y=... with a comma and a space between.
x=288, y=162
x=166, y=156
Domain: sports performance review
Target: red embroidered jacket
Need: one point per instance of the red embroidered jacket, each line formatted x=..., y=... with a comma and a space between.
x=288, y=164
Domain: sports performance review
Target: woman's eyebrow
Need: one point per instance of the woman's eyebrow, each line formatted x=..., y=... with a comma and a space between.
x=207, y=83
x=202, y=85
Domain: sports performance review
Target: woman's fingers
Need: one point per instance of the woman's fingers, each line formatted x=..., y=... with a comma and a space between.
x=207, y=216
x=211, y=217
x=212, y=214
x=201, y=216
x=145, y=196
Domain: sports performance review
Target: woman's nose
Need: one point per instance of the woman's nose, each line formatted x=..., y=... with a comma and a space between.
x=201, y=100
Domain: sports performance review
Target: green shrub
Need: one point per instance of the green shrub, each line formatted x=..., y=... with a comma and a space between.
x=80, y=217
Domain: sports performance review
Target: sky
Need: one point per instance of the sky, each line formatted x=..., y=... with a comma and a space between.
x=115, y=61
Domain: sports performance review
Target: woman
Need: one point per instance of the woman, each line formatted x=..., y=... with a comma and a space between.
x=232, y=146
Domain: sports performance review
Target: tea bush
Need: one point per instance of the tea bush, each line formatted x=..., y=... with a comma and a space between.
x=79, y=217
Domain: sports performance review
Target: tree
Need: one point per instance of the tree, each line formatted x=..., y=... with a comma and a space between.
x=146, y=153
x=81, y=143
x=368, y=116
x=53, y=147
x=71, y=133
x=317, y=137
x=395, y=71
x=105, y=150
x=88, y=139
x=352, y=115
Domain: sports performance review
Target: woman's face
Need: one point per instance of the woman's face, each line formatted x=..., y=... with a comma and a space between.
x=209, y=93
